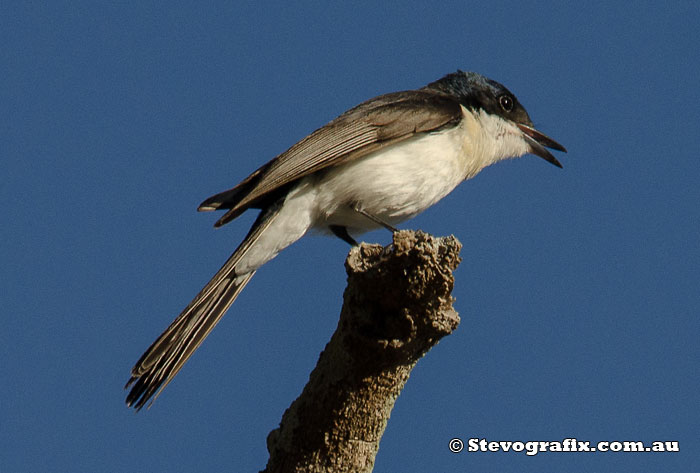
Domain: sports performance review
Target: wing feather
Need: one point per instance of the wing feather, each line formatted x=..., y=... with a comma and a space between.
x=366, y=128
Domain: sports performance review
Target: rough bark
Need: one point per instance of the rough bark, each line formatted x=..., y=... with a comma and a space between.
x=397, y=305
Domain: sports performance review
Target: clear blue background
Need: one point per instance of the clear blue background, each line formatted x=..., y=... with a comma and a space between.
x=578, y=289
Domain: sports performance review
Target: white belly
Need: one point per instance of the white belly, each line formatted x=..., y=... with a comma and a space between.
x=393, y=184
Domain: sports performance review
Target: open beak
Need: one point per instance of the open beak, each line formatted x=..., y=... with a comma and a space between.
x=539, y=142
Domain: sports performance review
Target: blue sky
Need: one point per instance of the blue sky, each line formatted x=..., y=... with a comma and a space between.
x=578, y=289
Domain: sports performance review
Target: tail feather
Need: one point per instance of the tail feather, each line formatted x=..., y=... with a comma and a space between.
x=169, y=352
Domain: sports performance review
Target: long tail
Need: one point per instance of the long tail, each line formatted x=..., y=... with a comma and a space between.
x=164, y=358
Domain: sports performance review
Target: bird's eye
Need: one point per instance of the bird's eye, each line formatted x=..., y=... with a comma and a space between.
x=506, y=102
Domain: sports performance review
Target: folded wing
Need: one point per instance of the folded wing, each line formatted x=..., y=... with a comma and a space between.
x=368, y=127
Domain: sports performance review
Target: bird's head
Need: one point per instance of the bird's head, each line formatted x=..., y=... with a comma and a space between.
x=505, y=121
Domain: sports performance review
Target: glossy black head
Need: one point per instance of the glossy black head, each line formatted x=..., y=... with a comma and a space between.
x=476, y=92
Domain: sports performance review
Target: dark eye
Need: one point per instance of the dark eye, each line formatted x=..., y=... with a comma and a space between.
x=506, y=102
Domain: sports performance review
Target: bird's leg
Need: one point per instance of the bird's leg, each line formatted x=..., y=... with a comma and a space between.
x=342, y=233
x=373, y=218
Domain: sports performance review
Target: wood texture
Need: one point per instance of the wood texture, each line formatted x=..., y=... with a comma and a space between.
x=397, y=305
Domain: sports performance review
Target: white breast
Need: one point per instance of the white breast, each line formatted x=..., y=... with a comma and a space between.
x=400, y=181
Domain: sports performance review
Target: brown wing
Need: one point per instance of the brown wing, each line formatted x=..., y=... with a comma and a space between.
x=366, y=128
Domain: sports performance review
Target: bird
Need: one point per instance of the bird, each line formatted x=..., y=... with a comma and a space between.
x=376, y=165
